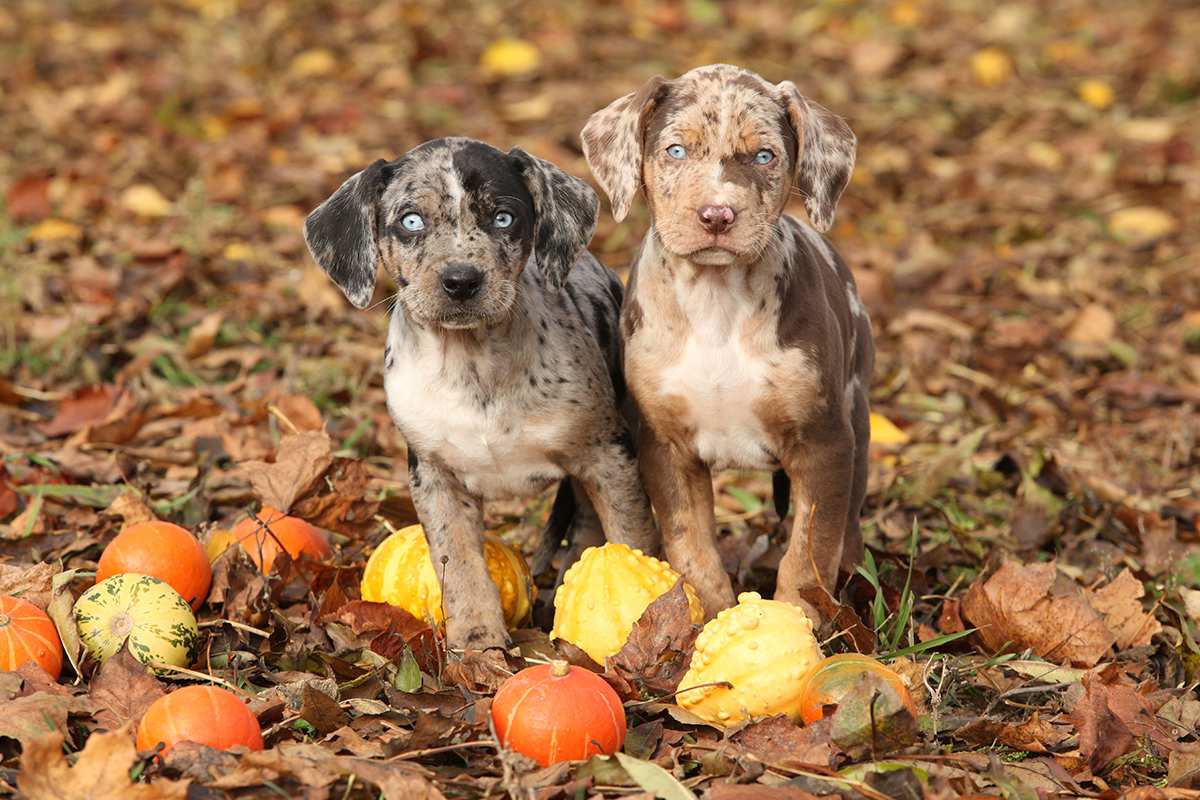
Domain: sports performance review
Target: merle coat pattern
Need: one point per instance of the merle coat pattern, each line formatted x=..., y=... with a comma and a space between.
x=502, y=365
x=745, y=342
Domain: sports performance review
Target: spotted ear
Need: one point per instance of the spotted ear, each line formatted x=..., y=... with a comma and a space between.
x=565, y=209
x=341, y=233
x=826, y=156
x=613, y=143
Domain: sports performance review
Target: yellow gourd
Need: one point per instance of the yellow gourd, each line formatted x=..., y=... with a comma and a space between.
x=605, y=592
x=765, y=648
x=401, y=573
x=139, y=612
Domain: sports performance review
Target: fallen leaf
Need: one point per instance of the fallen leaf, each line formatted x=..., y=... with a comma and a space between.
x=653, y=778
x=477, y=672
x=131, y=507
x=145, y=201
x=300, y=461
x=1033, y=735
x=1120, y=604
x=49, y=230
x=1141, y=225
x=313, y=63
x=1183, y=767
x=320, y=710
x=84, y=406
x=203, y=335
x=1029, y=606
x=391, y=630
x=122, y=689
x=509, y=57
x=30, y=582
x=884, y=431
x=658, y=651
x=1112, y=715
x=991, y=66
x=779, y=741
x=33, y=716
x=1096, y=93
x=100, y=773
x=28, y=199
x=1094, y=324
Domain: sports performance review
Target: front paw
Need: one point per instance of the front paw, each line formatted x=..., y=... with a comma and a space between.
x=475, y=636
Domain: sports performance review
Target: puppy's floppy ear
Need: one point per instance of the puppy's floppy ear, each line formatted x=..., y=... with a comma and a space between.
x=341, y=233
x=826, y=156
x=613, y=143
x=565, y=210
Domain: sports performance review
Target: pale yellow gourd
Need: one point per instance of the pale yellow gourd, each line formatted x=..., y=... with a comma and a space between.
x=401, y=573
x=764, y=648
x=605, y=592
x=141, y=613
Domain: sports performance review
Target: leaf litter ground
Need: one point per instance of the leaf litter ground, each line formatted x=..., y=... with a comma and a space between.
x=1018, y=225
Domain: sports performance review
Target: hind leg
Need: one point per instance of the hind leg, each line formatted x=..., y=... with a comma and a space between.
x=585, y=531
x=860, y=421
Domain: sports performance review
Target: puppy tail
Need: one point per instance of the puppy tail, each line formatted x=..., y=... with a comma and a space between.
x=558, y=527
x=782, y=488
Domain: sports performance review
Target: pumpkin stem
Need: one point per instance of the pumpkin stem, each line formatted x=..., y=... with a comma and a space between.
x=121, y=625
x=559, y=668
x=5, y=619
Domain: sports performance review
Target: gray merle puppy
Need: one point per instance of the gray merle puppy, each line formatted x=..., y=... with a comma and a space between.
x=502, y=365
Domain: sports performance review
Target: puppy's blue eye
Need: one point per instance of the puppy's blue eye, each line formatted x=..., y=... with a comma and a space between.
x=412, y=222
x=502, y=219
x=764, y=157
x=677, y=151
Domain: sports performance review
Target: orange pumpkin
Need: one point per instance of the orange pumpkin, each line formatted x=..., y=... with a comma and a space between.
x=292, y=533
x=27, y=634
x=205, y=714
x=161, y=550
x=555, y=712
x=838, y=678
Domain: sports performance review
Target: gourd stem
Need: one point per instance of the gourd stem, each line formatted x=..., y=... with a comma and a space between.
x=559, y=668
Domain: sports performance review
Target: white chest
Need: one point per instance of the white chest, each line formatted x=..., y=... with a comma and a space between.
x=486, y=437
x=720, y=376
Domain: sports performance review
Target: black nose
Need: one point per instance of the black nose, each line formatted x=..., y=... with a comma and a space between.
x=461, y=281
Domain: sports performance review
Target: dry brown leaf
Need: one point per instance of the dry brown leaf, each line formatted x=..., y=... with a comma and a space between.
x=300, y=461
x=320, y=710
x=203, y=336
x=28, y=581
x=1033, y=735
x=101, y=773
x=1112, y=715
x=658, y=651
x=122, y=689
x=1032, y=606
x=1120, y=604
x=131, y=507
x=91, y=404
x=31, y=717
x=779, y=741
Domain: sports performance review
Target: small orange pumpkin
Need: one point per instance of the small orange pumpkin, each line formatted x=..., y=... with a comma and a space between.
x=204, y=714
x=161, y=550
x=27, y=634
x=292, y=533
x=832, y=680
x=555, y=712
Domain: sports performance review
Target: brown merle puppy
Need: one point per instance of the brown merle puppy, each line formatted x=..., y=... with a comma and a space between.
x=746, y=345
x=502, y=366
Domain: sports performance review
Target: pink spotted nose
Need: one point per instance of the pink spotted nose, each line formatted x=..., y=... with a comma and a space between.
x=716, y=219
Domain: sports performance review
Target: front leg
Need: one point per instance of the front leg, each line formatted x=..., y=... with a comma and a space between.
x=608, y=473
x=453, y=521
x=681, y=491
x=821, y=474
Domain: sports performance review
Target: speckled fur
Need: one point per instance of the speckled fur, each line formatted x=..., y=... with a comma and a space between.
x=748, y=348
x=506, y=392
